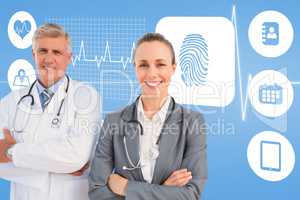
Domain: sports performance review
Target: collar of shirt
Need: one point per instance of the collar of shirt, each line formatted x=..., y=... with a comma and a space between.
x=158, y=117
x=53, y=88
x=152, y=128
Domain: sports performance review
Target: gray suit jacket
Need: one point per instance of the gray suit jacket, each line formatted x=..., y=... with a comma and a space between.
x=182, y=145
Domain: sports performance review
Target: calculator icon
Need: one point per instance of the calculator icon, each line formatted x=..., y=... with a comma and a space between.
x=270, y=94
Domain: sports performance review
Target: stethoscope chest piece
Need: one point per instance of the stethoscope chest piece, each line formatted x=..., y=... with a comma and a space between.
x=55, y=123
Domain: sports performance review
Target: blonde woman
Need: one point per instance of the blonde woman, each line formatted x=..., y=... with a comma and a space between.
x=154, y=148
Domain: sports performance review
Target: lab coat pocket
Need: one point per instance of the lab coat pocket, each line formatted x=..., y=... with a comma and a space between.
x=23, y=192
x=76, y=189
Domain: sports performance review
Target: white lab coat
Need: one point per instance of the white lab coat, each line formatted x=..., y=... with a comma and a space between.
x=43, y=155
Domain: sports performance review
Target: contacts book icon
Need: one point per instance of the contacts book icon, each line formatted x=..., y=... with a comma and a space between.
x=270, y=33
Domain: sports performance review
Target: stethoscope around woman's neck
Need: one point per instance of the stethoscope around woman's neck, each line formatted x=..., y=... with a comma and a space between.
x=55, y=123
x=135, y=121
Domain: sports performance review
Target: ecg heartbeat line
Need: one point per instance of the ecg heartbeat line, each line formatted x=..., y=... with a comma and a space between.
x=106, y=58
x=244, y=102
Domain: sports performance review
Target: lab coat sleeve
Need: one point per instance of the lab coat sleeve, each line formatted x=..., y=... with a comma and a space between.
x=4, y=113
x=102, y=166
x=64, y=154
x=10, y=172
x=194, y=160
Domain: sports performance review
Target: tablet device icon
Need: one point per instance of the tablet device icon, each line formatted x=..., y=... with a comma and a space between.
x=270, y=156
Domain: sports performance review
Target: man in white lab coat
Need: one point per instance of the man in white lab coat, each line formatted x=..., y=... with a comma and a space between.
x=50, y=127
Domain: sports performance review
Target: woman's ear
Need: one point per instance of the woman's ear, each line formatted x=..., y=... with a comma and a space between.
x=174, y=67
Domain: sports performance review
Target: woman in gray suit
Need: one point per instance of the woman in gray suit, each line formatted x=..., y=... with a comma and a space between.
x=154, y=148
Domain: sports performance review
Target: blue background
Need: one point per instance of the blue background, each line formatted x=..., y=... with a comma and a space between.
x=230, y=176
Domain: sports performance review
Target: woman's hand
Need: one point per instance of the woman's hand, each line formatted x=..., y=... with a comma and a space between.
x=117, y=184
x=178, y=178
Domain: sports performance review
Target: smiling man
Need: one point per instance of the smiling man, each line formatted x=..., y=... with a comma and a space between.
x=49, y=128
x=51, y=54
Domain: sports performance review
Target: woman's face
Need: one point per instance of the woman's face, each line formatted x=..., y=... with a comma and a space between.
x=154, y=68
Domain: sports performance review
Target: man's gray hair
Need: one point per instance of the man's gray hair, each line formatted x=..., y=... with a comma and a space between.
x=52, y=31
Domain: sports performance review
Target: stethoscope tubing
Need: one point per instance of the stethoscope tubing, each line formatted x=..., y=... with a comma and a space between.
x=55, y=121
x=138, y=165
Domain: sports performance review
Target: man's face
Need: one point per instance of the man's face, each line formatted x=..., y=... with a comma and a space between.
x=52, y=57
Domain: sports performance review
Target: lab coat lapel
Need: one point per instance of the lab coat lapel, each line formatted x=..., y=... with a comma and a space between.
x=26, y=102
x=28, y=118
x=132, y=131
x=46, y=117
x=37, y=102
x=169, y=136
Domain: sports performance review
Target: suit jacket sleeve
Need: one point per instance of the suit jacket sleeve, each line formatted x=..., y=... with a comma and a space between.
x=102, y=166
x=8, y=171
x=194, y=160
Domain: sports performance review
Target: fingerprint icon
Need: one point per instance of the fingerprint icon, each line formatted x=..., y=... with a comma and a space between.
x=194, y=60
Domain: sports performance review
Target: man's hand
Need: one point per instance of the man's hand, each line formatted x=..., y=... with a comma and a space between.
x=81, y=171
x=117, y=184
x=5, y=144
x=178, y=178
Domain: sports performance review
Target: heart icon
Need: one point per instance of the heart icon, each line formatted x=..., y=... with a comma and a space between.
x=22, y=28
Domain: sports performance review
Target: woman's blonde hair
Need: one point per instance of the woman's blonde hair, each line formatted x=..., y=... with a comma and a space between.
x=151, y=37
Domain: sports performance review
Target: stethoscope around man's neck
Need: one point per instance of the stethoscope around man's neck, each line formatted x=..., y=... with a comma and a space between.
x=55, y=123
